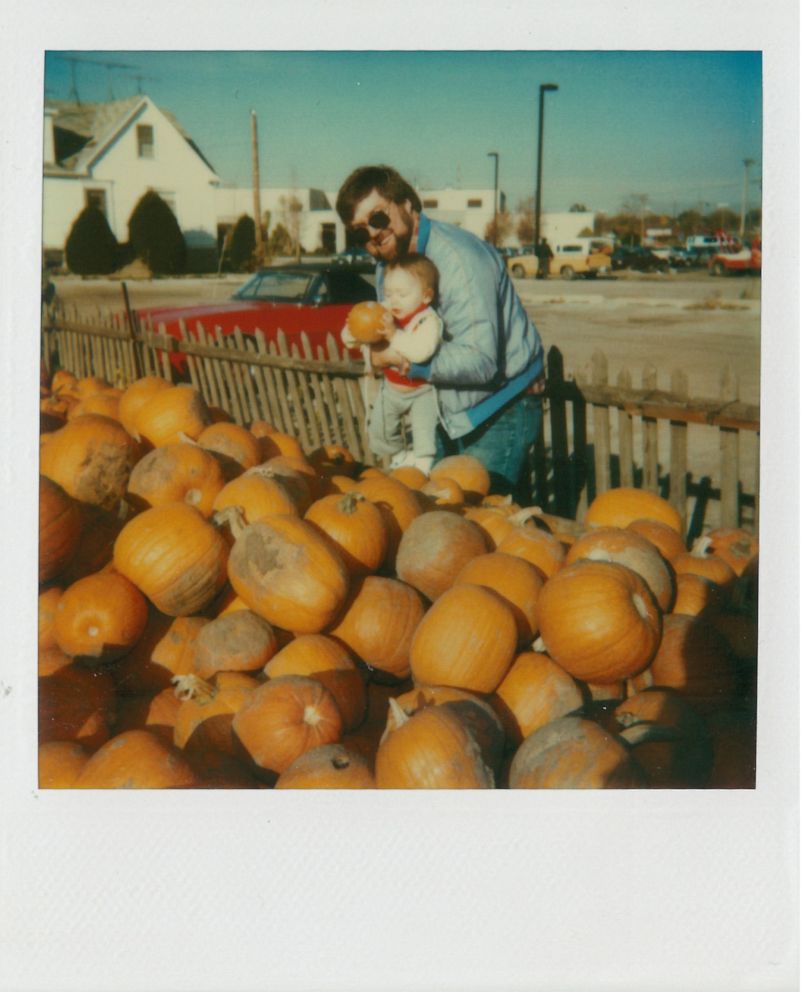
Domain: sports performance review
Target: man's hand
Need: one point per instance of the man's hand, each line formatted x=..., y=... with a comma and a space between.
x=538, y=386
x=387, y=357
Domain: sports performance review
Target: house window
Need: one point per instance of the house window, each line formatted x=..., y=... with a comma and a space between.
x=144, y=140
x=433, y=204
x=474, y=203
x=96, y=198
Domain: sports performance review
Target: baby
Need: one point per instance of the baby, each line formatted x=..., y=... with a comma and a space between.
x=413, y=330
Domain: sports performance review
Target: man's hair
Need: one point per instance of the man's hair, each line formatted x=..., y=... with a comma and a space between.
x=364, y=180
x=419, y=266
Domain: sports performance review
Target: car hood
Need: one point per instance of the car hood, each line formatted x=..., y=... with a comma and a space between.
x=198, y=311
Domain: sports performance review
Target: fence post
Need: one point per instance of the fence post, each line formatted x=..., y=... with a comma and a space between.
x=600, y=425
x=563, y=502
x=729, y=457
x=650, y=438
x=678, y=451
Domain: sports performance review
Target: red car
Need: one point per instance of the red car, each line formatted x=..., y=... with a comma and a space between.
x=735, y=258
x=310, y=297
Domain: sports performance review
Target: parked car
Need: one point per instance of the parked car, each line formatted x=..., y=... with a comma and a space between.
x=737, y=259
x=700, y=257
x=580, y=257
x=637, y=258
x=314, y=297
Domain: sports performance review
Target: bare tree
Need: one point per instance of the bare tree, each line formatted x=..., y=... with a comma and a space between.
x=504, y=228
x=291, y=208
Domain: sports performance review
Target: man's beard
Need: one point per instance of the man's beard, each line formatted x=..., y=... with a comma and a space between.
x=398, y=245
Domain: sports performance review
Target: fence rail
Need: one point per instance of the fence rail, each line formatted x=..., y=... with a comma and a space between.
x=596, y=434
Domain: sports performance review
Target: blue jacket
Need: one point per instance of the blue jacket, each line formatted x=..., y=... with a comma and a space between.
x=491, y=351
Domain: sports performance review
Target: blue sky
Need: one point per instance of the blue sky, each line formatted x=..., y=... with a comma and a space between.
x=674, y=126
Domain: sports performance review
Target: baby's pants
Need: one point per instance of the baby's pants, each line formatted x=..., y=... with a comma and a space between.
x=390, y=407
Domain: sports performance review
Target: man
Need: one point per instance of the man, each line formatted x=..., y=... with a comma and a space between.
x=544, y=256
x=488, y=371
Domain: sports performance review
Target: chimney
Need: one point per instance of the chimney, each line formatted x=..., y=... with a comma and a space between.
x=49, y=155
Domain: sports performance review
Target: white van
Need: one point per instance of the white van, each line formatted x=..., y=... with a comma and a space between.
x=703, y=241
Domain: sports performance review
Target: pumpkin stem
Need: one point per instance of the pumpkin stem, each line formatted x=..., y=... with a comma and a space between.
x=647, y=733
x=701, y=547
x=348, y=502
x=539, y=646
x=186, y=439
x=398, y=712
x=523, y=516
x=232, y=517
x=193, y=687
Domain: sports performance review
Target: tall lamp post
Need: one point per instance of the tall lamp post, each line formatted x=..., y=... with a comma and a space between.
x=544, y=88
x=495, y=201
x=747, y=162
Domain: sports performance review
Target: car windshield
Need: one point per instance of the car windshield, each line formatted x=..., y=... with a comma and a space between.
x=276, y=287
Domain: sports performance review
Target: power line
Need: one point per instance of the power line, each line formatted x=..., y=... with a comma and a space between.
x=75, y=60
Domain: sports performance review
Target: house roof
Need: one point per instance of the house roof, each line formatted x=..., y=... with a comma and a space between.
x=83, y=130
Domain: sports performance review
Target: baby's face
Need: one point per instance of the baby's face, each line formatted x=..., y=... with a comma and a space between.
x=404, y=293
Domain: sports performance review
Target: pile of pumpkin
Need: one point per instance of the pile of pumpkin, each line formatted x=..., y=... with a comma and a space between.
x=218, y=610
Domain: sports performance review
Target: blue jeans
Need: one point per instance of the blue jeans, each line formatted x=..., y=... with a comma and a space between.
x=504, y=444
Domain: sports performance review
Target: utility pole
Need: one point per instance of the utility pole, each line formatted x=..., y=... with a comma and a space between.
x=495, y=201
x=747, y=162
x=544, y=88
x=256, y=190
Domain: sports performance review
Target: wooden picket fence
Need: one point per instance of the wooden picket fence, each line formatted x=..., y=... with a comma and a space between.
x=595, y=434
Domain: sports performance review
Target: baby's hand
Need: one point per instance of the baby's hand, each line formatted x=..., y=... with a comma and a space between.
x=388, y=327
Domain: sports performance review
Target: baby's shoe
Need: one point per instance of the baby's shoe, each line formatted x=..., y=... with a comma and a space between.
x=402, y=459
x=425, y=464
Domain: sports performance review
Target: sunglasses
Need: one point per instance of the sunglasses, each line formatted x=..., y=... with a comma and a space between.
x=377, y=221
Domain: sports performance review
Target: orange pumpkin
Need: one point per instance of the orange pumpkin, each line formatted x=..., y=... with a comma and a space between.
x=667, y=541
x=700, y=562
x=620, y=545
x=333, y=459
x=135, y=396
x=63, y=381
x=467, y=640
x=233, y=441
x=516, y=581
x=90, y=385
x=163, y=650
x=59, y=528
x=100, y=617
x=177, y=473
x=468, y=472
x=46, y=615
x=736, y=546
x=60, y=764
x=433, y=550
x=318, y=657
x=443, y=492
x=495, y=522
x=175, y=556
x=365, y=321
x=620, y=506
x=574, y=753
x=292, y=466
x=288, y=573
x=409, y=476
x=258, y=494
x=157, y=714
x=274, y=442
x=432, y=749
x=696, y=594
x=106, y=403
x=284, y=718
x=534, y=692
x=136, y=759
x=75, y=703
x=693, y=658
x=331, y=766
x=238, y=642
x=599, y=621
x=171, y=415
x=91, y=457
x=378, y=623
x=355, y=526
x=295, y=483
x=203, y=724
x=398, y=504
x=539, y=547
x=669, y=740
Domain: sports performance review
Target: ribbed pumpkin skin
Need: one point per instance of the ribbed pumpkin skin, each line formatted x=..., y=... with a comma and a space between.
x=515, y=580
x=599, y=621
x=696, y=595
x=106, y=403
x=379, y=622
x=163, y=650
x=203, y=723
x=319, y=657
x=100, y=617
x=667, y=541
x=434, y=549
x=175, y=556
x=91, y=458
x=432, y=750
x=233, y=441
x=332, y=766
x=695, y=659
x=709, y=566
x=59, y=528
x=241, y=641
x=60, y=764
x=135, y=396
x=470, y=474
x=536, y=546
x=288, y=573
x=574, y=753
x=169, y=413
x=495, y=523
x=136, y=759
x=635, y=552
x=284, y=718
x=177, y=473
x=398, y=504
x=356, y=527
x=737, y=547
x=466, y=640
x=534, y=692
x=257, y=495
x=619, y=507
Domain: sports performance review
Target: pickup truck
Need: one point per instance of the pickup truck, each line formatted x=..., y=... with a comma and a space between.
x=734, y=258
x=579, y=257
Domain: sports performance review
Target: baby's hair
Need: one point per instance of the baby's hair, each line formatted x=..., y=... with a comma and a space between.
x=419, y=266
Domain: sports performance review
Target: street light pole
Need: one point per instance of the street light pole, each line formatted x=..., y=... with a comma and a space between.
x=747, y=162
x=544, y=88
x=495, y=201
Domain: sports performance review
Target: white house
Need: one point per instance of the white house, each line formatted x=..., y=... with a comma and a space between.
x=110, y=154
